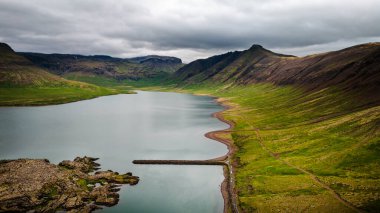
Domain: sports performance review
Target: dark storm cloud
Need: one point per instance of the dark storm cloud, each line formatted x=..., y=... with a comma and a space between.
x=187, y=29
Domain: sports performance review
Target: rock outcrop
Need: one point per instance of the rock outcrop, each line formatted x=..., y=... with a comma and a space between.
x=39, y=186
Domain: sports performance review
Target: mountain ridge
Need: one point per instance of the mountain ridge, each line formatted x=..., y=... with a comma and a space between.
x=143, y=59
x=106, y=66
x=353, y=68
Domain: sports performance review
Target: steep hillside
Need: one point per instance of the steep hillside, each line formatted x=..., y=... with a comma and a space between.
x=230, y=67
x=23, y=83
x=352, y=69
x=106, y=66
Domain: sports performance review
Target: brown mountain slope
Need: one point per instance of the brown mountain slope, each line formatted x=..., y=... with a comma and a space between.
x=230, y=66
x=352, y=69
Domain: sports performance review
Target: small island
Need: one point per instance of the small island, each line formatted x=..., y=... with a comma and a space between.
x=72, y=186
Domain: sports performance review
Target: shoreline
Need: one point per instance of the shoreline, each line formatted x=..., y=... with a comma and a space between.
x=52, y=102
x=33, y=104
x=228, y=185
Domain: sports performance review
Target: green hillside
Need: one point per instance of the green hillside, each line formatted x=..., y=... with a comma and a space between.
x=298, y=150
x=22, y=83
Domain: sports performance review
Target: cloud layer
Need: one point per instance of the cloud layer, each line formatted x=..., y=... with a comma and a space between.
x=187, y=29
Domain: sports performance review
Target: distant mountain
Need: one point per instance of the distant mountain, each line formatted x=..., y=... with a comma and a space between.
x=106, y=66
x=352, y=69
x=156, y=59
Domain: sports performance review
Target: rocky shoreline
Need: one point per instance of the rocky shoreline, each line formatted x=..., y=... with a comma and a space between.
x=36, y=185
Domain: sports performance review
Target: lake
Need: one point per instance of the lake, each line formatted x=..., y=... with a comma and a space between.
x=121, y=128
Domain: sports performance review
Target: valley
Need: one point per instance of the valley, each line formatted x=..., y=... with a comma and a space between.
x=306, y=129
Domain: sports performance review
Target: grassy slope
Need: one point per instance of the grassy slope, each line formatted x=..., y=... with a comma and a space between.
x=93, y=79
x=114, y=83
x=339, y=150
x=326, y=133
x=29, y=96
x=31, y=86
x=22, y=83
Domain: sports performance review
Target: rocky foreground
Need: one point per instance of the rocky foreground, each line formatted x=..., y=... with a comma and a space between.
x=39, y=186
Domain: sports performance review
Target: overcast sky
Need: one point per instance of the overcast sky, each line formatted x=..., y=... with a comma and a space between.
x=189, y=29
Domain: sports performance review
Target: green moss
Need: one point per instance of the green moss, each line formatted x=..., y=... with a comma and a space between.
x=83, y=183
x=50, y=191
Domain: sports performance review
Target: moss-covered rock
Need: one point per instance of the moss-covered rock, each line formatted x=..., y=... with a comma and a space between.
x=38, y=185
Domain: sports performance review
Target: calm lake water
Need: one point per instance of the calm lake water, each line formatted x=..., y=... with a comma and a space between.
x=122, y=128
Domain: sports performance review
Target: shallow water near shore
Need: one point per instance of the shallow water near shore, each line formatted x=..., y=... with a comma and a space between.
x=121, y=128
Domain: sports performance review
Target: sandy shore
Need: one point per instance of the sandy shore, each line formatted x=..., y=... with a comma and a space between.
x=228, y=185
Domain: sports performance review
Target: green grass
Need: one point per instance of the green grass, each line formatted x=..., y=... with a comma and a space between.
x=103, y=81
x=333, y=135
x=28, y=85
x=94, y=79
x=145, y=83
x=82, y=183
x=50, y=95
